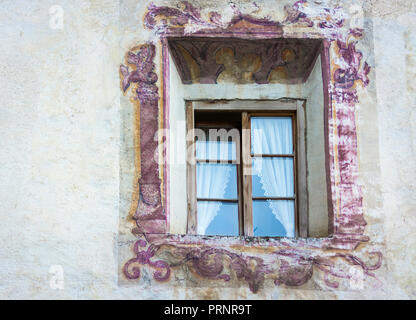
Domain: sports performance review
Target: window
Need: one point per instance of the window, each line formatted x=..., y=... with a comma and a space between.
x=246, y=169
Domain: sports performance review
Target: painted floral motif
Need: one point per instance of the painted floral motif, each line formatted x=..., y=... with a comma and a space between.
x=294, y=15
x=299, y=269
x=295, y=267
x=144, y=257
x=351, y=69
x=174, y=17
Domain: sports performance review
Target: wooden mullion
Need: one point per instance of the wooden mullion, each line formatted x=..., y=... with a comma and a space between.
x=275, y=113
x=301, y=171
x=265, y=106
x=240, y=187
x=247, y=172
x=273, y=155
x=295, y=178
x=217, y=200
x=274, y=198
x=191, y=170
x=217, y=125
x=216, y=161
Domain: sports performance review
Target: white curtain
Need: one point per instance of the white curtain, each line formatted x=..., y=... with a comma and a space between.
x=271, y=135
x=212, y=180
x=274, y=136
x=216, y=150
x=207, y=211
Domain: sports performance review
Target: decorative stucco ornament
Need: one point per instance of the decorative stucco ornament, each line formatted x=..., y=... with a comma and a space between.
x=286, y=261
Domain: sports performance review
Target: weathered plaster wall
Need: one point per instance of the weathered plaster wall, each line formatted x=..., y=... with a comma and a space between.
x=67, y=151
x=395, y=50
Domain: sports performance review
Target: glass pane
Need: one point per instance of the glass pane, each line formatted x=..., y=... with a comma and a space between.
x=274, y=218
x=216, y=180
x=216, y=150
x=217, y=218
x=273, y=177
x=271, y=135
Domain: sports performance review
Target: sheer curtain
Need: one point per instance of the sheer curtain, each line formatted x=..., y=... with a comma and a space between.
x=271, y=135
x=216, y=150
x=212, y=180
x=274, y=136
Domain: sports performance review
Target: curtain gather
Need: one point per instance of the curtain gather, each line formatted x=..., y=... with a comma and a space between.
x=212, y=180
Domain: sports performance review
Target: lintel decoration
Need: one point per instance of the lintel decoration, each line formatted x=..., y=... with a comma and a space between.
x=295, y=57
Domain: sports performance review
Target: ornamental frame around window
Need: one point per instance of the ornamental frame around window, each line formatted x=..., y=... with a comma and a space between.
x=299, y=257
x=295, y=109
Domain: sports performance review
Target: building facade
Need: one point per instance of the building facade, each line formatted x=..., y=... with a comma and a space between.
x=99, y=98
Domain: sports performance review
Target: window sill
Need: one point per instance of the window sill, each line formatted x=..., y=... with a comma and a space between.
x=338, y=241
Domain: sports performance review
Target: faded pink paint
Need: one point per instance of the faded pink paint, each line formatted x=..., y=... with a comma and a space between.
x=149, y=216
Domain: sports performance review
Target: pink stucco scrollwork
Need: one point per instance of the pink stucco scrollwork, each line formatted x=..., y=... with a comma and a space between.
x=149, y=215
x=144, y=254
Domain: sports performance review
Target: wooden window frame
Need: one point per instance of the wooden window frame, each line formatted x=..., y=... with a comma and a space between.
x=249, y=108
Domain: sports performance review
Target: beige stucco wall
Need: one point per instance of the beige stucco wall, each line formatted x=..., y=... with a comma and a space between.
x=67, y=160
